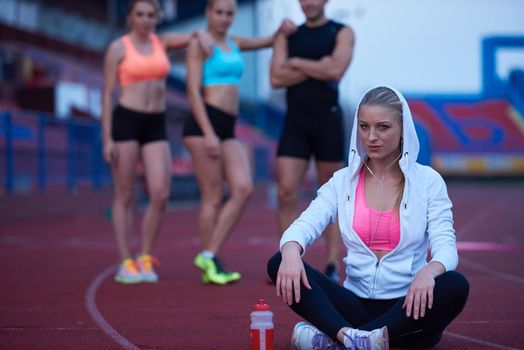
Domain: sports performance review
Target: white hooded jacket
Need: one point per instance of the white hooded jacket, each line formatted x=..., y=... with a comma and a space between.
x=425, y=218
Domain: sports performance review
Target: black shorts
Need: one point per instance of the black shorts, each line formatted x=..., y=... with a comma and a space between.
x=318, y=132
x=143, y=127
x=223, y=123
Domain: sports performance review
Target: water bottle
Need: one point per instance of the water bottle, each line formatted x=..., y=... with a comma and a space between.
x=261, y=327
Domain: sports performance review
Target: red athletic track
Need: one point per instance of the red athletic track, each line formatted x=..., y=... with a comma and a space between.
x=57, y=290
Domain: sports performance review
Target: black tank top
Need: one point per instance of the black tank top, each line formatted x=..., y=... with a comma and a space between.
x=313, y=43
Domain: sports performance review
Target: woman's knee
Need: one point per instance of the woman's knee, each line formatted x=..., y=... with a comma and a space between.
x=124, y=196
x=456, y=287
x=159, y=197
x=273, y=265
x=287, y=195
x=461, y=286
x=242, y=191
x=212, y=195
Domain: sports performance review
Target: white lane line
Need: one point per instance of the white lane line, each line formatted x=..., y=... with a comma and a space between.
x=479, y=342
x=97, y=316
x=495, y=273
x=510, y=321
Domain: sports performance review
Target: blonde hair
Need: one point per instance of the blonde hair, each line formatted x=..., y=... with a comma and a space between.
x=385, y=97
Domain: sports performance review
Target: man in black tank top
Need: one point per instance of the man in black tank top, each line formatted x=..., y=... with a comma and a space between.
x=310, y=63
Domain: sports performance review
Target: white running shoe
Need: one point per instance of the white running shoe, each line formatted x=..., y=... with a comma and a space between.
x=145, y=264
x=128, y=273
x=377, y=339
x=308, y=337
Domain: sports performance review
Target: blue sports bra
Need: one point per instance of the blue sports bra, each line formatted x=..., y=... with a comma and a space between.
x=223, y=67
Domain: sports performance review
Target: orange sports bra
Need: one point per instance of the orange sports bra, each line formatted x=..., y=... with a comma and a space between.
x=137, y=67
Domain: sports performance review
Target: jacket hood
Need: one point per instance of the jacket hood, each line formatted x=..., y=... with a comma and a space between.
x=410, y=144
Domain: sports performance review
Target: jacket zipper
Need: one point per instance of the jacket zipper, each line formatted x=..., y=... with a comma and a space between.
x=374, y=289
x=406, y=193
x=406, y=188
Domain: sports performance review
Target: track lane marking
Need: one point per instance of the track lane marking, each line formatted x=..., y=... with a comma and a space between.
x=97, y=316
x=495, y=273
x=478, y=341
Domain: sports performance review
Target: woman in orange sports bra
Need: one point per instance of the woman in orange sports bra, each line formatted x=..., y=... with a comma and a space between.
x=135, y=130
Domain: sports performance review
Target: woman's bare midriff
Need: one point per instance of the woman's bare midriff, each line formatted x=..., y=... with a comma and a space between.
x=223, y=97
x=146, y=96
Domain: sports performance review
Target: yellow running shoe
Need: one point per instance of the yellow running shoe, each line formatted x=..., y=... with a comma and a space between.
x=213, y=272
x=145, y=264
x=128, y=273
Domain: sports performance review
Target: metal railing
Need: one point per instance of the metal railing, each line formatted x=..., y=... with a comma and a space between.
x=37, y=150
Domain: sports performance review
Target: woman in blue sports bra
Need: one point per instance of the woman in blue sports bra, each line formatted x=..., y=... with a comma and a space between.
x=209, y=135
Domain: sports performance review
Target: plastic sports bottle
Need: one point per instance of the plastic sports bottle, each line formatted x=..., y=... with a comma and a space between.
x=261, y=327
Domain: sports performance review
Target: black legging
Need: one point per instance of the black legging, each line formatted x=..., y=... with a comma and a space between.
x=330, y=307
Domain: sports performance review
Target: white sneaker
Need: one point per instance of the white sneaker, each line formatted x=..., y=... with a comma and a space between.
x=377, y=339
x=128, y=273
x=308, y=337
x=145, y=266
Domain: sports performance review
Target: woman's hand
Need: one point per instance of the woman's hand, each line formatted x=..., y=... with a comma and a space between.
x=287, y=27
x=110, y=152
x=205, y=41
x=420, y=294
x=291, y=273
x=212, y=145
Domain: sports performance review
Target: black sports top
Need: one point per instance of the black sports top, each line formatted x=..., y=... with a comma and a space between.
x=313, y=43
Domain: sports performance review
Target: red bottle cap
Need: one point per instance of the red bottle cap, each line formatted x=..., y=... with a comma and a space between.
x=261, y=306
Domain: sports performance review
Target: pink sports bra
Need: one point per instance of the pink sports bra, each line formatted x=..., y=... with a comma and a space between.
x=379, y=230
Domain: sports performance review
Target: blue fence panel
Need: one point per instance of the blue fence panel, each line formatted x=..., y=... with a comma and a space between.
x=37, y=150
x=8, y=133
x=42, y=155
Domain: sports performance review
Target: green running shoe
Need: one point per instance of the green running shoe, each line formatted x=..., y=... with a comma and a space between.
x=213, y=272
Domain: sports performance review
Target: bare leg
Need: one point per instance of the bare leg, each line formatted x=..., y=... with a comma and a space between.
x=290, y=174
x=209, y=173
x=239, y=178
x=157, y=164
x=124, y=177
x=325, y=171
